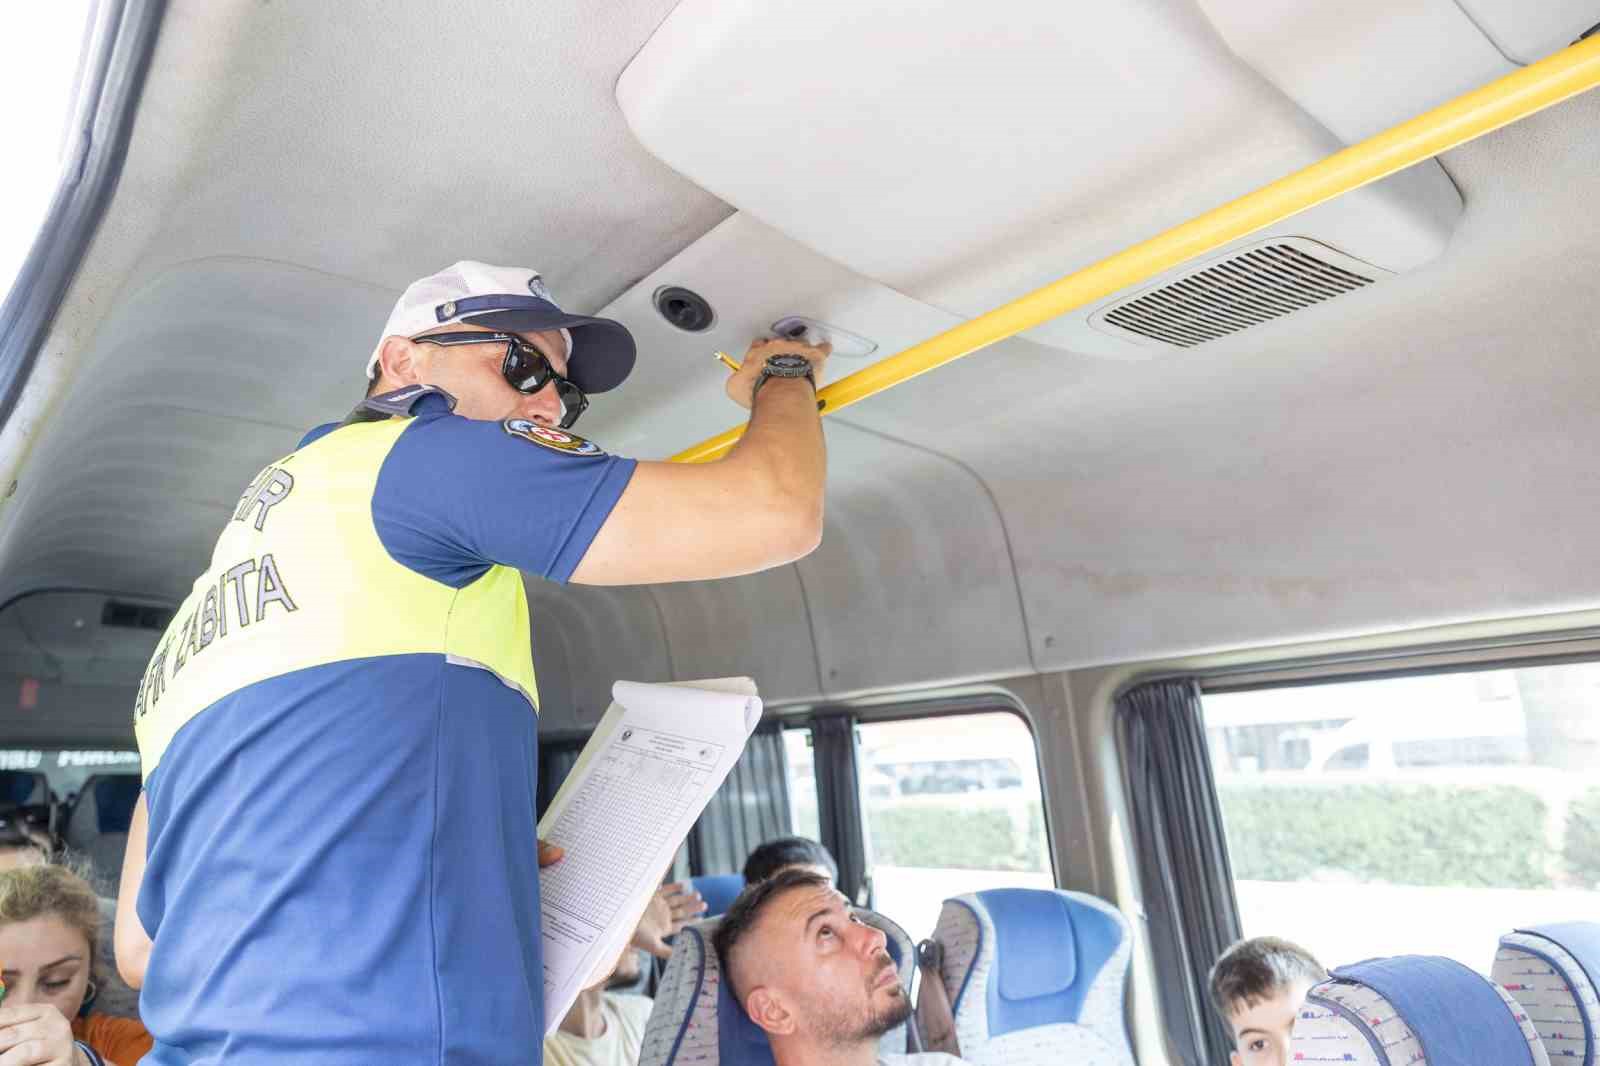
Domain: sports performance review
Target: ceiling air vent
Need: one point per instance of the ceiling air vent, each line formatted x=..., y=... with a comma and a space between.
x=1266, y=282
x=121, y=615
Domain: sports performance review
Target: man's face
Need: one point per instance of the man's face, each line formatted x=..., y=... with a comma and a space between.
x=472, y=374
x=1261, y=1031
x=828, y=974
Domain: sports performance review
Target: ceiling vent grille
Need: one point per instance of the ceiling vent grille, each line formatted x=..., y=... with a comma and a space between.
x=1245, y=290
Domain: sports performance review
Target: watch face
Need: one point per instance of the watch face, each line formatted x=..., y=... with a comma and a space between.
x=789, y=362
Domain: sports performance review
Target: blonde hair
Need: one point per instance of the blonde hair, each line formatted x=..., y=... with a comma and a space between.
x=30, y=892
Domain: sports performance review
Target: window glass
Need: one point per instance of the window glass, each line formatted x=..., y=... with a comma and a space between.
x=951, y=804
x=39, y=63
x=802, y=763
x=68, y=768
x=1412, y=815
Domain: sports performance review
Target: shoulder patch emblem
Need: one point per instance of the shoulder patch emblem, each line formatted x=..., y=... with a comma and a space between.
x=557, y=440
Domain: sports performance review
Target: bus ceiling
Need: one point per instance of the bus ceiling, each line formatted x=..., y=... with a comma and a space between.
x=1235, y=277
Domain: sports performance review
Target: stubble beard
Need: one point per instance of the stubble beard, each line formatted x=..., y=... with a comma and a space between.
x=839, y=1032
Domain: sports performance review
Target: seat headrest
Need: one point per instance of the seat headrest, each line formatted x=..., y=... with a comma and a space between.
x=1418, y=1009
x=696, y=1020
x=21, y=788
x=1551, y=971
x=115, y=796
x=1036, y=955
x=718, y=890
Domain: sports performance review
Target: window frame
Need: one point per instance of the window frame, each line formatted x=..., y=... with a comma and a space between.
x=114, y=75
x=1257, y=670
x=850, y=849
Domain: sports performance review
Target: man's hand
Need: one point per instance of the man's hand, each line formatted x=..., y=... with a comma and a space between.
x=37, y=1034
x=742, y=383
x=669, y=910
x=550, y=854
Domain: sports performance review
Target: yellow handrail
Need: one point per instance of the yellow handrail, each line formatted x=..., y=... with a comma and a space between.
x=1559, y=77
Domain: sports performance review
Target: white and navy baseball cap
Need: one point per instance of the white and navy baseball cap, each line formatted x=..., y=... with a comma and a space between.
x=601, y=352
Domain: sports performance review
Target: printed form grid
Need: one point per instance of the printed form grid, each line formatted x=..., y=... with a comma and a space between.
x=631, y=797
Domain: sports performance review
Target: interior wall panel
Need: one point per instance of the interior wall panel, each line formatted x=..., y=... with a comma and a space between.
x=755, y=625
x=584, y=640
x=913, y=582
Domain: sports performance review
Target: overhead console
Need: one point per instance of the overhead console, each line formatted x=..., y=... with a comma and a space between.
x=965, y=156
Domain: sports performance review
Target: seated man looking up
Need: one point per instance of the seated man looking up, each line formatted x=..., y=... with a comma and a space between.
x=1259, y=986
x=817, y=980
x=786, y=852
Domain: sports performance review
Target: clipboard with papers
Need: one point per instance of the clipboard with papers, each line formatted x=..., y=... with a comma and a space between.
x=653, y=763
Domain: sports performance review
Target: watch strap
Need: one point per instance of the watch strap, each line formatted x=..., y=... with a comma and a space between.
x=768, y=372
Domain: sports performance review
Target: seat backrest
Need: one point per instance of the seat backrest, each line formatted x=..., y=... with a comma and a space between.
x=695, y=1019
x=98, y=825
x=718, y=890
x=1416, y=1010
x=1036, y=976
x=1551, y=970
x=23, y=788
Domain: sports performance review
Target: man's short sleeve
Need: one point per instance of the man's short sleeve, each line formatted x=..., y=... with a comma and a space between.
x=456, y=496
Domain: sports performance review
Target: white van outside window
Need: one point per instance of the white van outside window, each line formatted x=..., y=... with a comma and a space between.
x=1424, y=814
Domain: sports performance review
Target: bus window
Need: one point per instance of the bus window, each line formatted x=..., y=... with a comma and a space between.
x=1423, y=814
x=951, y=804
x=67, y=769
x=802, y=765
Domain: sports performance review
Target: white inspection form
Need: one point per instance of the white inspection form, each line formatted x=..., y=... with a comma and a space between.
x=648, y=771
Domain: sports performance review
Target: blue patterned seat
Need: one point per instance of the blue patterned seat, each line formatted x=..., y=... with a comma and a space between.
x=1035, y=977
x=1414, y=1010
x=1551, y=970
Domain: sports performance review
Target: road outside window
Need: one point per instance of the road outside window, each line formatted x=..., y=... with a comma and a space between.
x=1412, y=815
x=952, y=804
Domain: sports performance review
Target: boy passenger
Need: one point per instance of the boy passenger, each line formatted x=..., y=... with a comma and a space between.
x=1259, y=986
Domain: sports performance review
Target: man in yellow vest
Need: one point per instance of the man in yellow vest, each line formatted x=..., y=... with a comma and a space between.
x=333, y=860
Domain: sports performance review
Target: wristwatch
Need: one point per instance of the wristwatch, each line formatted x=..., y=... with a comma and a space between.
x=784, y=366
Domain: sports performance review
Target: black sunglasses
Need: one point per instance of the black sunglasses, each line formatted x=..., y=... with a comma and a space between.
x=525, y=367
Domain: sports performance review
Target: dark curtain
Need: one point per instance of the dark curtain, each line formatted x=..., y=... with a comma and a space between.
x=751, y=806
x=833, y=741
x=1185, y=876
x=555, y=762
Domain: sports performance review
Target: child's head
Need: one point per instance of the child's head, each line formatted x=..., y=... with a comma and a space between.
x=1258, y=986
x=49, y=925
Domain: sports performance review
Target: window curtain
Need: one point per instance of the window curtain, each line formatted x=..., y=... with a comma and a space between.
x=1185, y=877
x=752, y=806
x=555, y=763
x=833, y=741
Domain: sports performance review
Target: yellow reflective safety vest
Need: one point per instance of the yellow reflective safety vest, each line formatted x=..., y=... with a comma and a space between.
x=339, y=747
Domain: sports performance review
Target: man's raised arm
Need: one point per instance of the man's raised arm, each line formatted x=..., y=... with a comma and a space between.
x=132, y=942
x=758, y=507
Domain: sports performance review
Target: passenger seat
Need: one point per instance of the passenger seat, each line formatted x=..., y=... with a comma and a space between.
x=24, y=788
x=1414, y=1009
x=1036, y=976
x=1551, y=970
x=696, y=1022
x=718, y=890
x=98, y=826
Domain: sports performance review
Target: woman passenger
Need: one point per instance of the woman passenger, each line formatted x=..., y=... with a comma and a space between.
x=49, y=925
